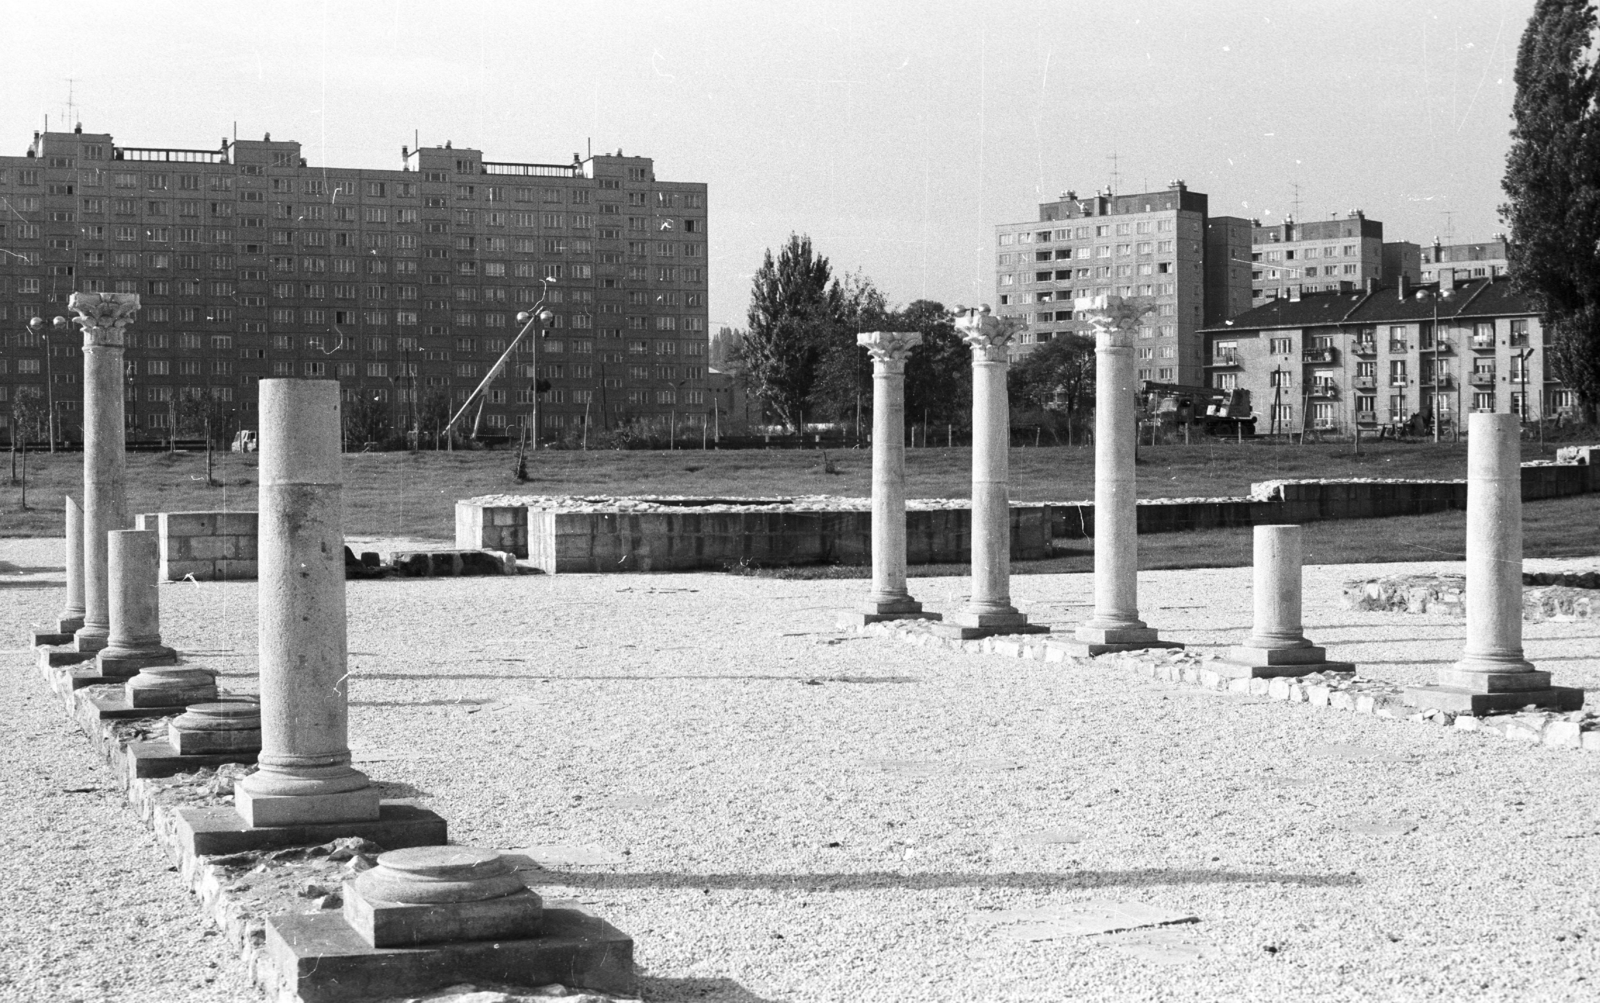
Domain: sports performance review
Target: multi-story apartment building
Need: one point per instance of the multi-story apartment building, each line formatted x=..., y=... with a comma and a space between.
x=1384, y=354
x=1472, y=260
x=1318, y=256
x=402, y=284
x=1151, y=244
x=1227, y=267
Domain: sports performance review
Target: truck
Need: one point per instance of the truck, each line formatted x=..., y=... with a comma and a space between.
x=1210, y=409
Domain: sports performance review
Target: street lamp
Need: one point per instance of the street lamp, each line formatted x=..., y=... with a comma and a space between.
x=37, y=326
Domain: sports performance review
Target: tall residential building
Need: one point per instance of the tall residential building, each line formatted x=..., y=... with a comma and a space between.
x=1325, y=256
x=1228, y=267
x=1151, y=244
x=401, y=284
x=1386, y=354
x=1477, y=261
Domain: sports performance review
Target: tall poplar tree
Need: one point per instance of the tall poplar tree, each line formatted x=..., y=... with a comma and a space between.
x=794, y=310
x=1553, y=182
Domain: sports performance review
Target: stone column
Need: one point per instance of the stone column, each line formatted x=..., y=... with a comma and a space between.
x=1277, y=645
x=1493, y=674
x=889, y=598
x=72, y=613
x=103, y=316
x=988, y=610
x=305, y=773
x=134, y=641
x=1115, y=625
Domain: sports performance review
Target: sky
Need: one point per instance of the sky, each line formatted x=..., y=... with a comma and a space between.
x=895, y=134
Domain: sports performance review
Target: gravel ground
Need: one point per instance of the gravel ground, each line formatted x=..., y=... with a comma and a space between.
x=797, y=814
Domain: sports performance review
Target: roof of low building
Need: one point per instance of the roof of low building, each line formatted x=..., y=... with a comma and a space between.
x=1486, y=297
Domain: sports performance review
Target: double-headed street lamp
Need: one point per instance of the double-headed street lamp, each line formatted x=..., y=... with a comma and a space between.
x=37, y=326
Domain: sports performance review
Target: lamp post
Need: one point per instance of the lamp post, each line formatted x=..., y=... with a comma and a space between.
x=1522, y=416
x=37, y=326
x=672, y=427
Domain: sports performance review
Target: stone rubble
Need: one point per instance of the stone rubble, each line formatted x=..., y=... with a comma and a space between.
x=1546, y=596
x=1359, y=694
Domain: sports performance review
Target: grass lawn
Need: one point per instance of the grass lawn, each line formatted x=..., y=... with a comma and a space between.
x=413, y=495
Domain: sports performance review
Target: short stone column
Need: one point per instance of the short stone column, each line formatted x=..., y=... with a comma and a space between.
x=103, y=317
x=1277, y=645
x=988, y=610
x=889, y=598
x=1493, y=674
x=1115, y=625
x=217, y=728
x=305, y=774
x=72, y=612
x=134, y=640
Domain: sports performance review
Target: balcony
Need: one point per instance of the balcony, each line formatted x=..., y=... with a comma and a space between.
x=1324, y=388
x=1442, y=346
x=1482, y=376
x=1366, y=383
x=1318, y=355
x=1366, y=418
x=1365, y=348
x=1398, y=348
x=1399, y=380
x=1225, y=357
x=1483, y=342
x=1443, y=381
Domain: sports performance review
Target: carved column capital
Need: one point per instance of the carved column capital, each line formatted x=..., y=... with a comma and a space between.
x=889, y=349
x=103, y=316
x=1114, y=319
x=988, y=335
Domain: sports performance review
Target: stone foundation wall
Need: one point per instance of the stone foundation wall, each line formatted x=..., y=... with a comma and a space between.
x=688, y=540
x=211, y=546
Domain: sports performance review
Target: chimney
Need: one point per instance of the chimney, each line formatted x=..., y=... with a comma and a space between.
x=1346, y=286
x=1438, y=249
x=1447, y=281
x=1372, y=285
x=1294, y=294
x=1404, y=286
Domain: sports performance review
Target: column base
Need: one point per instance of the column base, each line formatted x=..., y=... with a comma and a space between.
x=1433, y=696
x=69, y=625
x=1086, y=641
x=1498, y=678
x=42, y=638
x=50, y=658
x=160, y=759
x=118, y=708
x=207, y=831
x=970, y=626
x=167, y=687
x=862, y=617
x=319, y=956
x=125, y=663
x=1246, y=661
x=91, y=639
x=269, y=810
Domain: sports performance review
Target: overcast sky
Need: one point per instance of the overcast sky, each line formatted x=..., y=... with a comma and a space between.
x=896, y=134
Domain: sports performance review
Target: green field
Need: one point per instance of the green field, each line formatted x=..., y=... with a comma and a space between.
x=413, y=495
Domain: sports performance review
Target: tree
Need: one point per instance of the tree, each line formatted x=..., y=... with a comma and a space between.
x=368, y=419
x=939, y=371
x=724, y=351
x=1553, y=182
x=844, y=370
x=1055, y=382
x=794, y=309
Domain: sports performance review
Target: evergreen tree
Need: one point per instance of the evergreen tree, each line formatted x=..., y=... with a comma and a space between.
x=1553, y=182
x=795, y=313
x=939, y=371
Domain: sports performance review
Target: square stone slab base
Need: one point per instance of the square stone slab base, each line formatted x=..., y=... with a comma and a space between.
x=1258, y=670
x=1464, y=701
x=160, y=759
x=50, y=658
x=1076, y=648
x=967, y=632
x=305, y=809
x=207, y=831
x=43, y=637
x=382, y=923
x=321, y=959
x=233, y=742
x=858, y=618
x=117, y=708
x=128, y=666
x=86, y=674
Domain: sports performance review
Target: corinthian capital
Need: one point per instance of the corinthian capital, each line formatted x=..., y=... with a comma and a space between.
x=987, y=334
x=103, y=316
x=890, y=349
x=1114, y=318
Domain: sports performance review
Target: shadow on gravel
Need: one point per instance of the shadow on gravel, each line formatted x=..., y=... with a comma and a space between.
x=914, y=882
x=412, y=676
x=698, y=990
x=30, y=585
x=463, y=702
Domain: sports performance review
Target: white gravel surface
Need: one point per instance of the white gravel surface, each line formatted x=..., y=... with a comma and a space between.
x=806, y=815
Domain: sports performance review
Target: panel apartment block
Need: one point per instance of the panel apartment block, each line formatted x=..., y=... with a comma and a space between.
x=1386, y=354
x=1150, y=244
x=1476, y=261
x=1326, y=256
x=401, y=284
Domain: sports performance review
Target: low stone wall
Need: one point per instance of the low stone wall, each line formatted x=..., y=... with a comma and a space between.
x=1447, y=594
x=571, y=538
x=209, y=546
x=1298, y=502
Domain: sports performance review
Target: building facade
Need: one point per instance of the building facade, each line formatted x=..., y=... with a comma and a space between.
x=1475, y=261
x=1326, y=256
x=1151, y=244
x=402, y=284
x=1384, y=355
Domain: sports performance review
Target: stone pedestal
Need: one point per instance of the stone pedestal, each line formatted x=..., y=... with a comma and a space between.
x=134, y=640
x=304, y=774
x=988, y=610
x=889, y=598
x=1493, y=674
x=170, y=686
x=438, y=893
x=217, y=727
x=1277, y=645
x=1115, y=625
x=72, y=613
x=103, y=317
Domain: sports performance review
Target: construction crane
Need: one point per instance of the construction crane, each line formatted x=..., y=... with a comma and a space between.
x=1211, y=409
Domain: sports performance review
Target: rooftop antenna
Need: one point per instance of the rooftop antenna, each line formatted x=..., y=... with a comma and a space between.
x=1449, y=226
x=1116, y=175
x=1296, y=186
x=72, y=106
